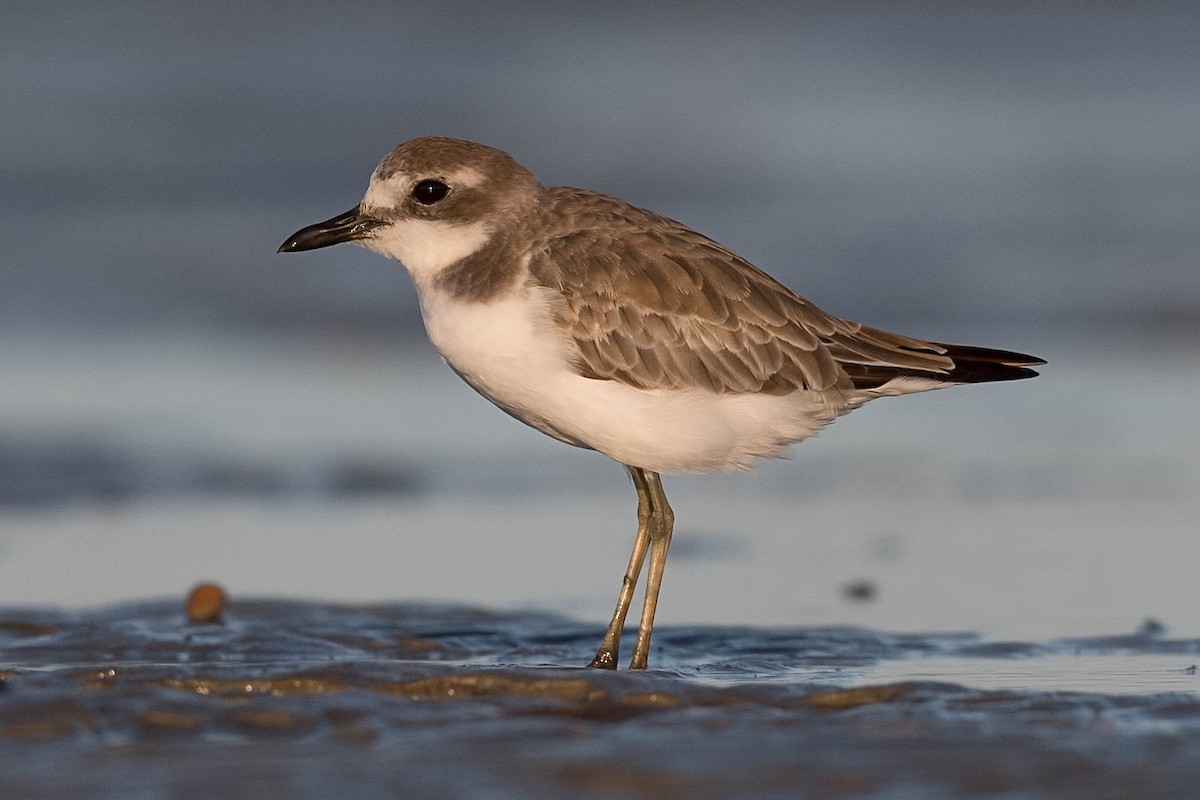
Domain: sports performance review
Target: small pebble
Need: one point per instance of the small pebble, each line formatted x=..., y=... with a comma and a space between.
x=205, y=604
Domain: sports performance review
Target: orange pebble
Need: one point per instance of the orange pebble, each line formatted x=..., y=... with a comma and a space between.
x=205, y=604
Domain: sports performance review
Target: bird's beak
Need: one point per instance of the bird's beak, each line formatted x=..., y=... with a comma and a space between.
x=348, y=227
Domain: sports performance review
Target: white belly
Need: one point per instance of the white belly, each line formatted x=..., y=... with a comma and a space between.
x=510, y=351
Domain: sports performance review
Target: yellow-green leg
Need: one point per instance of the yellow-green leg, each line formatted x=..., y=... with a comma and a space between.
x=606, y=656
x=656, y=521
x=660, y=523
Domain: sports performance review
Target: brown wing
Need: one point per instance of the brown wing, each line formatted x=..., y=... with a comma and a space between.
x=653, y=304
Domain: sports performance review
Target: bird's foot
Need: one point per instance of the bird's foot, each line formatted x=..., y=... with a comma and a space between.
x=605, y=659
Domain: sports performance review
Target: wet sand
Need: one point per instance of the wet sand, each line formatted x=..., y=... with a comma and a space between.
x=290, y=699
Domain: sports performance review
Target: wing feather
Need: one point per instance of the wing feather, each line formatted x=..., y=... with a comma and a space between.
x=651, y=303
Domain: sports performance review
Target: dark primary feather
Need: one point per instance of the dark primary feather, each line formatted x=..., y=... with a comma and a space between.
x=653, y=304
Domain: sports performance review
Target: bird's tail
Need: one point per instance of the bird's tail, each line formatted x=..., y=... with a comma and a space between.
x=982, y=365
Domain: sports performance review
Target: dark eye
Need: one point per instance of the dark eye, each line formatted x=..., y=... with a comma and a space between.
x=429, y=191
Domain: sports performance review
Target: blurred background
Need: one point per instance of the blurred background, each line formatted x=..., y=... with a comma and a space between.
x=177, y=402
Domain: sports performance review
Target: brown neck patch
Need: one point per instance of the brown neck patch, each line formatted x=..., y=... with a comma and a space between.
x=486, y=273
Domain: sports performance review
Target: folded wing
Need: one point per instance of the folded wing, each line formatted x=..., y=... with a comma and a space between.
x=653, y=304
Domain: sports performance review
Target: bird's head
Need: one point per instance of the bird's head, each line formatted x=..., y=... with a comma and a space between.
x=431, y=202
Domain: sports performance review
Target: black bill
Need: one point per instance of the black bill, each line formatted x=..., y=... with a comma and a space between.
x=348, y=227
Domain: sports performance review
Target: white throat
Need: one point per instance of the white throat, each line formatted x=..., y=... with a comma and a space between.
x=426, y=247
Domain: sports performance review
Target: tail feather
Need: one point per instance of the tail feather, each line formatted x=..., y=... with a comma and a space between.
x=971, y=365
x=982, y=364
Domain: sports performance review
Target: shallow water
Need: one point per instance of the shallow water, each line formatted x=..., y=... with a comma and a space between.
x=289, y=699
x=983, y=591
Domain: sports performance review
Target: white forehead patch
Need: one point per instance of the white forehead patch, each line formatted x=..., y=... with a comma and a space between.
x=426, y=247
x=387, y=192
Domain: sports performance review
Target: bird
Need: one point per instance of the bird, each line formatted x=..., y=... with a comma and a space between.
x=613, y=328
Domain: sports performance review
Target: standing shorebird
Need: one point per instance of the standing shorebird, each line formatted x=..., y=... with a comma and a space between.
x=610, y=327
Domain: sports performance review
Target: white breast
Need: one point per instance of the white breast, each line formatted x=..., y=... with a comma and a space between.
x=507, y=348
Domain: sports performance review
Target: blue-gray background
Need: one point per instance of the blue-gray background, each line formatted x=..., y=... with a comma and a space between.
x=1038, y=161
x=1022, y=175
